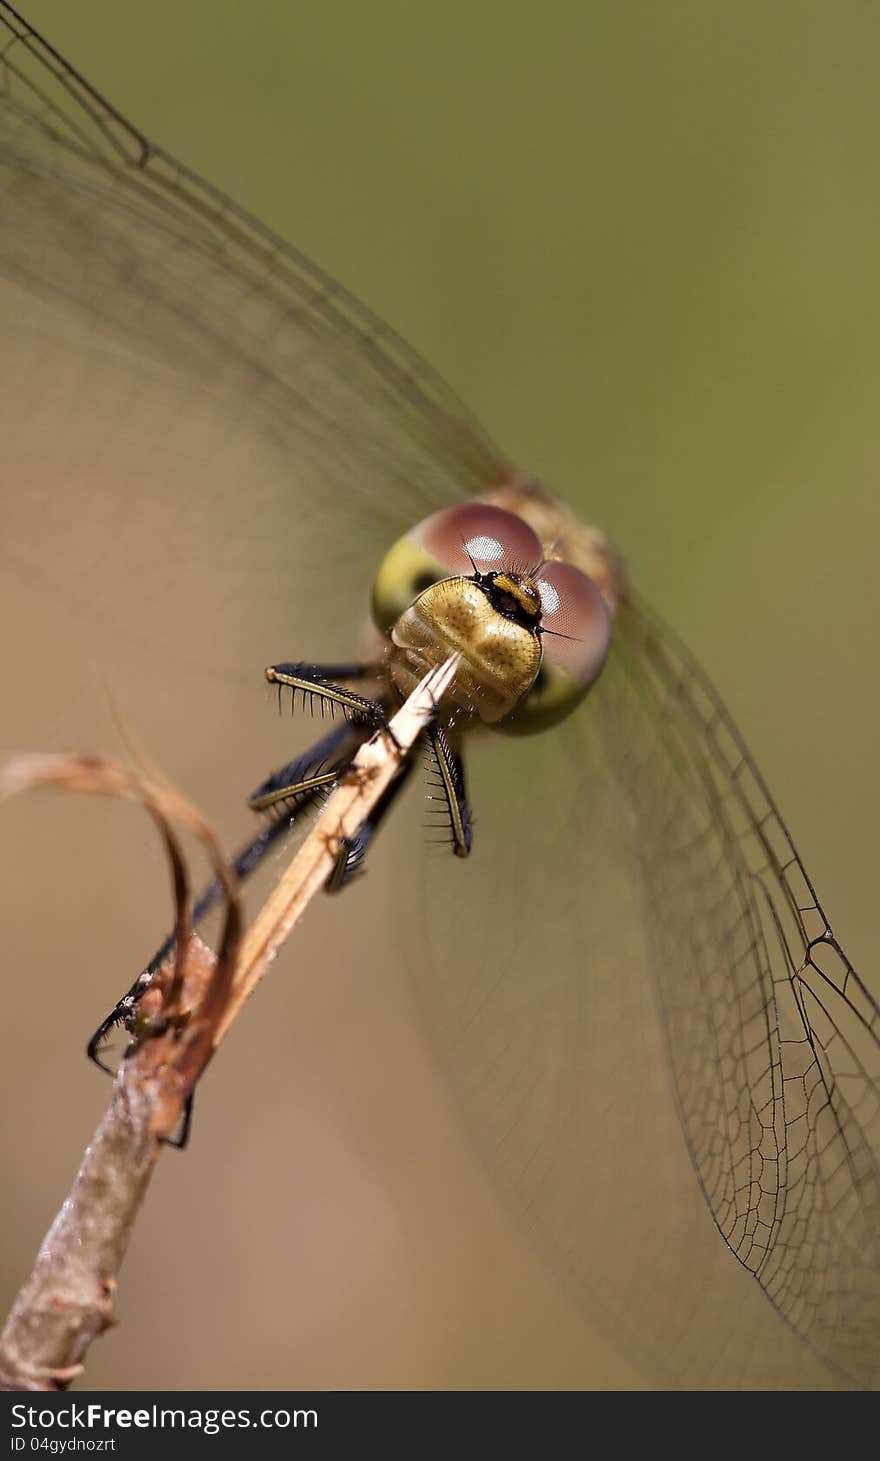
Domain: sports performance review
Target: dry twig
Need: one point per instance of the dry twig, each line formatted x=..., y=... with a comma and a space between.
x=67, y=1300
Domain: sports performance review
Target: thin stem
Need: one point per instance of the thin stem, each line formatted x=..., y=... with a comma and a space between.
x=67, y=1300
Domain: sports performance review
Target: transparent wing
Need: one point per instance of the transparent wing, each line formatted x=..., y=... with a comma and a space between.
x=57, y=127
x=168, y=355
x=663, y=953
x=774, y=1041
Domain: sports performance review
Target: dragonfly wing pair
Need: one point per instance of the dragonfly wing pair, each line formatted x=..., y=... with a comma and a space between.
x=205, y=421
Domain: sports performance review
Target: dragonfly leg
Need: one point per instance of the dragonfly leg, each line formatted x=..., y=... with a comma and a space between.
x=283, y=795
x=321, y=683
x=332, y=750
x=449, y=777
x=353, y=850
x=121, y=1014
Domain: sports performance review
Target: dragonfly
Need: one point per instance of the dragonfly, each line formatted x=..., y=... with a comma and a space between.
x=656, y=850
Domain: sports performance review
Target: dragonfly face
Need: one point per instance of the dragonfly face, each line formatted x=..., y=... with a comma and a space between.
x=653, y=1036
x=532, y=630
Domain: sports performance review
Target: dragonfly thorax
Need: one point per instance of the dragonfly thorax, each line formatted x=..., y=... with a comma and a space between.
x=492, y=621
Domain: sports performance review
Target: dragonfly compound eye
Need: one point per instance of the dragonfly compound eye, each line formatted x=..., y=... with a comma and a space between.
x=576, y=625
x=456, y=541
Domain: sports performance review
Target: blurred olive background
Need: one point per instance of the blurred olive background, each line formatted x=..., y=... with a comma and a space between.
x=641, y=241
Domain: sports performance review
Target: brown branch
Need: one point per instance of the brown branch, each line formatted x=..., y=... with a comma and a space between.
x=67, y=1301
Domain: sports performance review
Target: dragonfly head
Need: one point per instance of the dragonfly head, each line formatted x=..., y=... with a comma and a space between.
x=532, y=631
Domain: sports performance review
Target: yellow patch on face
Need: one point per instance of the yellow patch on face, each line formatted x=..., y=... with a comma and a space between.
x=522, y=589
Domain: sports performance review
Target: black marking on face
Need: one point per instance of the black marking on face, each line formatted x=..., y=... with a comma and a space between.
x=514, y=595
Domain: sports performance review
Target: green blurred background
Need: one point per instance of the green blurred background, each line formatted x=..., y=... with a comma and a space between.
x=641, y=241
